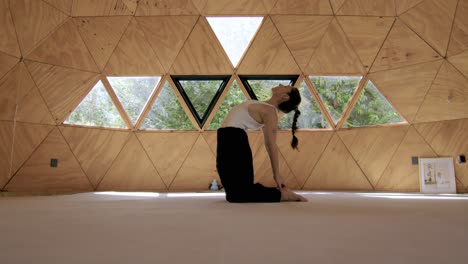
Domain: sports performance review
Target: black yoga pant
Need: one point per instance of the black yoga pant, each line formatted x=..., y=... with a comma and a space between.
x=235, y=168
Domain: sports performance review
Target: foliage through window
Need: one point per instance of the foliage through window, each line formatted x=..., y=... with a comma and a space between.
x=234, y=97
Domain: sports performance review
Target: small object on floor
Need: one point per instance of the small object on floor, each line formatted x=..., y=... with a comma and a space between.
x=214, y=185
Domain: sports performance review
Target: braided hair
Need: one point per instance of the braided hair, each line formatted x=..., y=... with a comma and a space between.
x=290, y=105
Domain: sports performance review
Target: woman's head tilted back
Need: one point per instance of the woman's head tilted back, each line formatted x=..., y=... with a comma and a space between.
x=292, y=104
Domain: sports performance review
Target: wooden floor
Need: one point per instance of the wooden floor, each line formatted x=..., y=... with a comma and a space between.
x=203, y=228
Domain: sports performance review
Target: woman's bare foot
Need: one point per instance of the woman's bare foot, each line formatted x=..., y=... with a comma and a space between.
x=289, y=196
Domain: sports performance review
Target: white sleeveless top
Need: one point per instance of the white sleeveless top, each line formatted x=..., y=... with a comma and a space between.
x=239, y=116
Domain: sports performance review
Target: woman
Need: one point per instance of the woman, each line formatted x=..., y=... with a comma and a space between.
x=234, y=156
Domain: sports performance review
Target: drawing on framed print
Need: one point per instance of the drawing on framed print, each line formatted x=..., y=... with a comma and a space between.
x=437, y=175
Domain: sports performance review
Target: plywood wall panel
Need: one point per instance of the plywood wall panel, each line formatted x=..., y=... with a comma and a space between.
x=302, y=7
x=166, y=35
x=400, y=175
x=447, y=98
x=202, y=53
x=368, y=8
x=95, y=149
x=268, y=54
x=62, y=5
x=460, y=62
x=336, y=5
x=239, y=7
x=133, y=55
x=402, y=48
x=168, y=151
x=302, y=34
x=132, y=170
x=7, y=62
x=37, y=174
x=6, y=144
x=432, y=20
x=104, y=7
x=404, y=5
x=335, y=55
x=459, y=39
x=166, y=7
x=406, y=87
x=8, y=94
x=33, y=109
x=337, y=170
x=8, y=41
x=101, y=35
x=366, y=35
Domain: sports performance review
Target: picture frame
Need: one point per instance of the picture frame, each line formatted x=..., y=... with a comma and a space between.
x=437, y=175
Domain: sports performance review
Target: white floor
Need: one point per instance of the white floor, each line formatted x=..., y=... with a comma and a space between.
x=194, y=228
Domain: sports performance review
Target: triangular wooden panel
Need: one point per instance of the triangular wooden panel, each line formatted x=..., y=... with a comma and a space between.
x=25, y=83
x=229, y=7
x=101, y=35
x=337, y=170
x=211, y=137
x=432, y=20
x=37, y=174
x=199, y=4
x=406, y=87
x=6, y=143
x=198, y=169
x=34, y=20
x=32, y=109
x=63, y=5
x=402, y=48
x=62, y=88
x=269, y=4
x=166, y=8
x=256, y=142
x=448, y=139
x=335, y=55
x=302, y=34
x=104, y=7
x=303, y=7
x=400, y=175
x=447, y=98
x=366, y=35
x=167, y=34
x=65, y=48
x=27, y=139
x=7, y=62
x=459, y=39
x=460, y=61
x=404, y=5
x=372, y=148
x=202, y=53
x=134, y=55
x=311, y=147
x=336, y=5
x=95, y=149
x=8, y=41
x=132, y=170
x=8, y=94
x=167, y=151
x=368, y=8
x=268, y=54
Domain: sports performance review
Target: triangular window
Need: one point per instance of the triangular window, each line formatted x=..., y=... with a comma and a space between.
x=96, y=109
x=259, y=87
x=372, y=109
x=335, y=92
x=133, y=93
x=200, y=93
x=235, y=34
x=234, y=97
x=167, y=113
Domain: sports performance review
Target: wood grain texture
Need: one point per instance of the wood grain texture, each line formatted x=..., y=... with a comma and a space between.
x=448, y=139
x=62, y=5
x=95, y=149
x=368, y=8
x=335, y=55
x=373, y=148
x=37, y=175
x=166, y=35
x=336, y=5
x=211, y=138
x=62, y=88
x=402, y=48
x=7, y=62
x=167, y=151
x=8, y=94
x=404, y=5
x=8, y=41
x=132, y=170
x=400, y=175
x=6, y=144
x=34, y=20
x=27, y=139
x=302, y=7
x=33, y=109
x=432, y=20
x=302, y=34
x=133, y=55
x=269, y=4
x=268, y=54
x=166, y=8
x=104, y=7
x=202, y=53
x=101, y=35
x=460, y=62
x=239, y=7
x=406, y=87
x=366, y=35
x=459, y=39
x=337, y=170
x=447, y=98
x=199, y=4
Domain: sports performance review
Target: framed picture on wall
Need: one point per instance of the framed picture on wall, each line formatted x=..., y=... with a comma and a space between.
x=437, y=175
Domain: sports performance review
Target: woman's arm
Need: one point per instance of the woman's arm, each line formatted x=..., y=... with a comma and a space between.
x=270, y=122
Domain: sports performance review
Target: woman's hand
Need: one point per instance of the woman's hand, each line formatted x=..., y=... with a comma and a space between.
x=279, y=182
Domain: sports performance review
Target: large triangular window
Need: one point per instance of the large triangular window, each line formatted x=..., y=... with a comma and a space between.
x=200, y=93
x=372, y=109
x=233, y=97
x=235, y=34
x=96, y=109
x=259, y=86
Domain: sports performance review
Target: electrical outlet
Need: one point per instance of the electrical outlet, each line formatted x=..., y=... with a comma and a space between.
x=414, y=160
x=53, y=163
